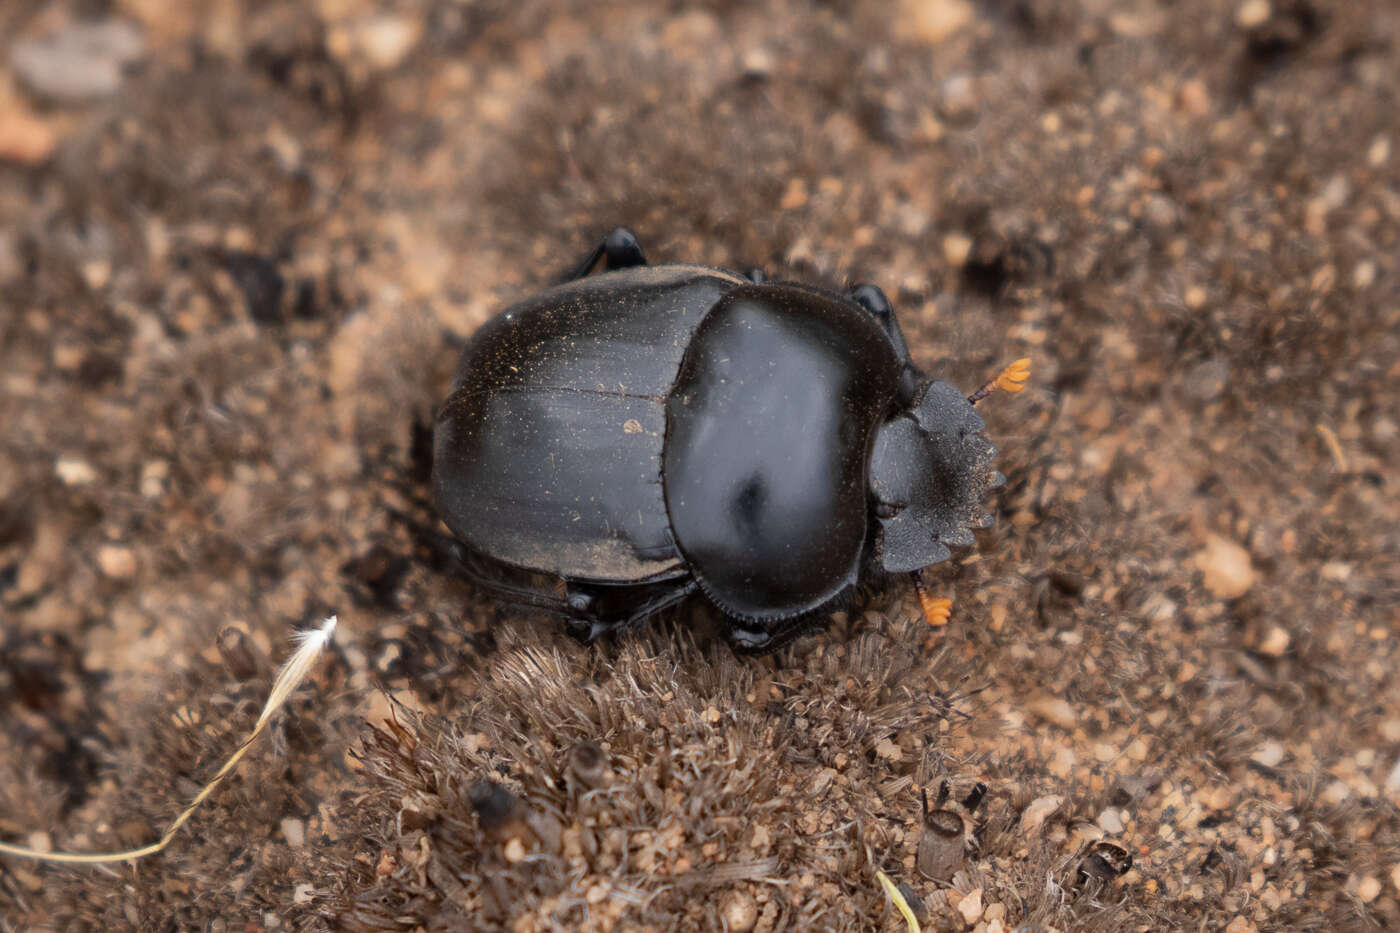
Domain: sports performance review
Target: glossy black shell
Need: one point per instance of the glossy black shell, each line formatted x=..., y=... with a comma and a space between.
x=661, y=422
x=768, y=435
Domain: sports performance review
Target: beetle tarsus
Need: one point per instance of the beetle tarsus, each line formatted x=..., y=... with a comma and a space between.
x=588, y=631
x=1011, y=380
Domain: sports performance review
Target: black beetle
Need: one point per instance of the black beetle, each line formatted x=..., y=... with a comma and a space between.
x=653, y=430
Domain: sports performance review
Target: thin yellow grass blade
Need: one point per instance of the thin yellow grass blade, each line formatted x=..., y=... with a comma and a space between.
x=896, y=898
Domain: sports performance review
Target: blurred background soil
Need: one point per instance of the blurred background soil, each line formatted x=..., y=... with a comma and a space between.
x=240, y=246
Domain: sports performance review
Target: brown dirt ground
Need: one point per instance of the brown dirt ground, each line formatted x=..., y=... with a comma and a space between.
x=232, y=292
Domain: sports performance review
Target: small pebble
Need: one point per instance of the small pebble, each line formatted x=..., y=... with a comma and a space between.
x=387, y=40
x=932, y=21
x=79, y=63
x=958, y=99
x=25, y=138
x=971, y=906
x=1110, y=822
x=1270, y=754
x=379, y=42
x=1160, y=212
x=1275, y=644
x=1194, y=98
x=1054, y=710
x=1035, y=815
x=956, y=248
x=1226, y=566
x=794, y=195
x=1336, y=192
x=1379, y=152
x=294, y=831
x=116, y=561
x=1336, y=793
x=1369, y=889
x=74, y=472
x=1392, y=781
x=153, y=476
x=1253, y=13
x=757, y=62
x=1206, y=381
x=739, y=910
x=1336, y=571
x=1159, y=608
x=1363, y=275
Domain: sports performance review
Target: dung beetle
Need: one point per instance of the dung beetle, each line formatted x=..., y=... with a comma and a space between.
x=653, y=431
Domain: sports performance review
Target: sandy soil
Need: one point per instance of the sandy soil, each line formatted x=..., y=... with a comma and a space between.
x=240, y=245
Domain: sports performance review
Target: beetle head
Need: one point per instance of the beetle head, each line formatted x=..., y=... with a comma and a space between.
x=930, y=468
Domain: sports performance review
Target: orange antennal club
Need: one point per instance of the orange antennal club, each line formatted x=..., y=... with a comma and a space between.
x=936, y=610
x=1012, y=379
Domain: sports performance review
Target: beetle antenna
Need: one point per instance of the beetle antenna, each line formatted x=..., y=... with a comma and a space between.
x=936, y=610
x=1012, y=379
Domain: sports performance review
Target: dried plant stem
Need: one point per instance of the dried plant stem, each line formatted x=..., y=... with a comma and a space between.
x=309, y=646
x=1334, y=447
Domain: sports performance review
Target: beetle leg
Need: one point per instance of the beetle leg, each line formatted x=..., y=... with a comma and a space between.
x=872, y=298
x=1012, y=379
x=520, y=595
x=936, y=610
x=586, y=624
x=620, y=249
x=451, y=553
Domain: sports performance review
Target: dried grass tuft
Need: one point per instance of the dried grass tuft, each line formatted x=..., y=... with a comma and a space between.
x=584, y=788
x=309, y=647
